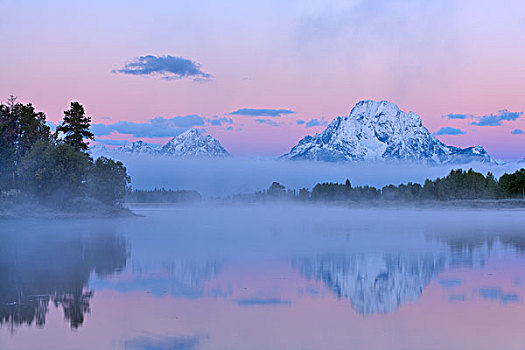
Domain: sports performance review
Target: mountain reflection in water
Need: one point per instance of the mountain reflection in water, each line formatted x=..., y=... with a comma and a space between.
x=380, y=283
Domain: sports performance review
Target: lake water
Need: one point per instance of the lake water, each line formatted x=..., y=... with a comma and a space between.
x=265, y=277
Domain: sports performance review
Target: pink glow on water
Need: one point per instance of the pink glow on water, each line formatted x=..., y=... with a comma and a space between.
x=310, y=320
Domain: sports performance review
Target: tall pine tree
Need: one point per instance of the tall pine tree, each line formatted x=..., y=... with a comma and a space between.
x=75, y=127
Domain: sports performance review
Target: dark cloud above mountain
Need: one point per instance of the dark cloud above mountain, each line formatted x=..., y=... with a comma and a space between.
x=457, y=116
x=219, y=121
x=496, y=119
x=448, y=130
x=167, y=67
x=315, y=122
x=156, y=127
x=159, y=126
x=261, y=112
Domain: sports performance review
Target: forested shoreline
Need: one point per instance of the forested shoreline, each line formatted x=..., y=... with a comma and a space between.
x=458, y=185
x=54, y=169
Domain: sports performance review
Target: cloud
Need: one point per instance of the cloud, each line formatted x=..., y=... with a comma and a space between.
x=156, y=127
x=164, y=343
x=517, y=132
x=300, y=122
x=112, y=142
x=315, y=122
x=457, y=116
x=219, y=121
x=267, y=121
x=497, y=294
x=262, y=302
x=261, y=112
x=167, y=67
x=496, y=119
x=448, y=130
x=229, y=128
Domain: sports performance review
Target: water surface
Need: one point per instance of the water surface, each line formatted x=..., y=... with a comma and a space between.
x=265, y=277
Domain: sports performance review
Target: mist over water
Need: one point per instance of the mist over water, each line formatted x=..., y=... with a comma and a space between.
x=225, y=177
x=262, y=276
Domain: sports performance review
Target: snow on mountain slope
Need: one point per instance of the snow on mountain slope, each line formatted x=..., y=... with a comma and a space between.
x=189, y=144
x=192, y=144
x=98, y=150
x=137, y=147
x=379, y=131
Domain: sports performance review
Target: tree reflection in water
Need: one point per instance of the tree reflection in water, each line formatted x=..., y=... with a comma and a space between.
x=53, y=265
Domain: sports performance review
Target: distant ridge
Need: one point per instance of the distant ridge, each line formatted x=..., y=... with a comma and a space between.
x=189, y=144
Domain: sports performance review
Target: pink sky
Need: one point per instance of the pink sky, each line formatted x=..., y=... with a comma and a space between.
x=317, y=58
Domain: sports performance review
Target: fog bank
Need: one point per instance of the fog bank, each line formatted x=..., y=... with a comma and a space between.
x=224, y=177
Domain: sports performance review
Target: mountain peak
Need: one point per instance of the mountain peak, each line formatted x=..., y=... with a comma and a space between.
x=380, y=131
x=137, y=147
x=191, y=143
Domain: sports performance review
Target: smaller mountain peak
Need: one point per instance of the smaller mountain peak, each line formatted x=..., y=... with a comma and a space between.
x=191, y=143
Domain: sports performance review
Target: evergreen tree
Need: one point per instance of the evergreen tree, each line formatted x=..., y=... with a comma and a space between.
x=304, y=194
x=108, y=181
x=54, y=173
x=513, y=185
x=276, y=190
x=21, y=127
x=75, y=127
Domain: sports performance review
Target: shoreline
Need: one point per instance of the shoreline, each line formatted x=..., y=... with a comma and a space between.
x=380, y=204
x=127, y=210
x=36, y=211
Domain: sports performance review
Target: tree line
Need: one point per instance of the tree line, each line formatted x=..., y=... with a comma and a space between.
x=54, y=168
x=457, y=185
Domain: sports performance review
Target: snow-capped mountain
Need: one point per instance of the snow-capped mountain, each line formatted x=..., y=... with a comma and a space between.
x=192, y=144
x=98, y=150
x=189, y=144
x=379, y=131
x=470, y=154
x=137, y=147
